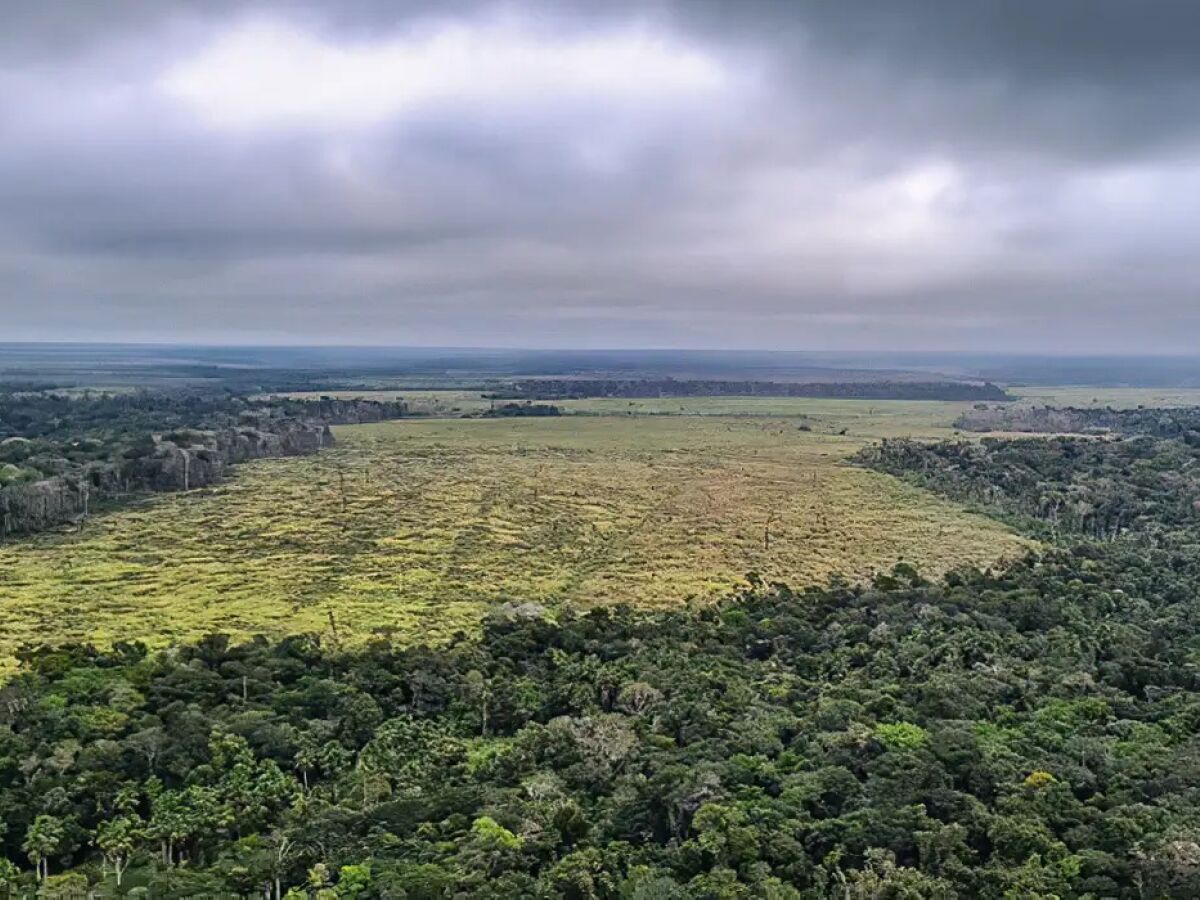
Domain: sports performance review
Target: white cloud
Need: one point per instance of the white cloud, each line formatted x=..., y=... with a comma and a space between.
x=264, y=74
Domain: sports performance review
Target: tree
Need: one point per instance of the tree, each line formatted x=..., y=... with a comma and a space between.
x=479, y=690
x=282, y=849
x=9, y=874
x=250, y=790
x=353, y=881
x=44, y=837
x=148, y=743
x=118, y=839
x=307, y=757
x=176, y=817
x=491, y=848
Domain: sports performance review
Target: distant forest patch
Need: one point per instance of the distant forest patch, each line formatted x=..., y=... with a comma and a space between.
x=576, y=389
x=521, y=410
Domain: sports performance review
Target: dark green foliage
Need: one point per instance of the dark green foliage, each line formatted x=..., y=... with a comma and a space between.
x=1143, y=488
x=518, y=410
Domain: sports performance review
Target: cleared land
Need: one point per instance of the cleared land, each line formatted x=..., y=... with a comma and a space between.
x=413, y=528
x=1117, y=398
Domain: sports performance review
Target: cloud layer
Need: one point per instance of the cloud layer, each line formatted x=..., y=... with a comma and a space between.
x=922, y=175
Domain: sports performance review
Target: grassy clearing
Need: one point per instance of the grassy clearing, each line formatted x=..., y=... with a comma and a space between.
x=1118, y=398
x=413, y=528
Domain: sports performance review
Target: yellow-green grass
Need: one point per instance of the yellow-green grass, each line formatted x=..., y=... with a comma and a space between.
x=865, y=418
x=414, y=528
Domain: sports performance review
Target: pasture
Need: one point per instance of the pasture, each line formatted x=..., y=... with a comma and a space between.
x=1115, y=397
x=414, y=528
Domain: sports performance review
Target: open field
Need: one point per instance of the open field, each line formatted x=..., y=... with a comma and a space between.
x=415, y=527
x=1116, y=397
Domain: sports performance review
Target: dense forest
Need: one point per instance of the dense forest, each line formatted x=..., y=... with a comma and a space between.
x=1140, y=488
x=1032, y=731
x=61, y=455
x=873, y=389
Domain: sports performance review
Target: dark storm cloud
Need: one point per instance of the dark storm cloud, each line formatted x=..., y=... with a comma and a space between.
x=871, y=174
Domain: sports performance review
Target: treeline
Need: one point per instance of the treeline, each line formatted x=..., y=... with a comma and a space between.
x=108, y=417
x=569, y=388
x=1182, y=423
x=62, y=455
x=1142, y=487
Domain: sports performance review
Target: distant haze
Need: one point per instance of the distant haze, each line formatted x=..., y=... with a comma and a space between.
x=992, y=175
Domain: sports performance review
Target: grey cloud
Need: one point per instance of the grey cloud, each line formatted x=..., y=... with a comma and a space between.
x=929, y=174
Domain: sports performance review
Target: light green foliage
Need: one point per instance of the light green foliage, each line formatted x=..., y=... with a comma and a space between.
x=414, y=528
x=488, y=832
x=43, y=838
x=67, y=886
x=11, y=474
x=901, y=736
x=353, y=881
x=118, y=839
x=1039, y=779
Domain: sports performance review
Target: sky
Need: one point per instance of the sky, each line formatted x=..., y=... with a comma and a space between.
x=1007, y=175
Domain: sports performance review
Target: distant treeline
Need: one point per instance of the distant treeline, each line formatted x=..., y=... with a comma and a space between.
x=1052, y=420
x=62, y=455
x=569, y=389
x=521, y=410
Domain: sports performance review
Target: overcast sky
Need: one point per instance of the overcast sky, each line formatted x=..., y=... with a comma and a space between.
x=912, y=174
